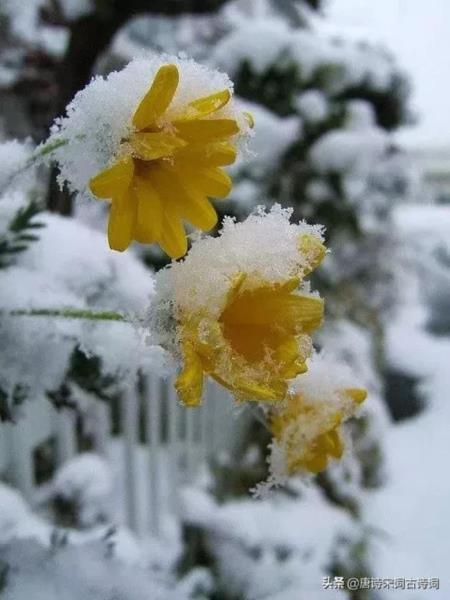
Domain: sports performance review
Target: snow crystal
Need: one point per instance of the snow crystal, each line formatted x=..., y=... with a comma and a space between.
x=99, y=117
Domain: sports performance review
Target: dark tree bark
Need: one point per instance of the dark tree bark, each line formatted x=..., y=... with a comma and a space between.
x=89, y=37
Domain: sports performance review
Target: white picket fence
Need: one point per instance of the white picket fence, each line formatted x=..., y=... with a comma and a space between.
x=177, y=442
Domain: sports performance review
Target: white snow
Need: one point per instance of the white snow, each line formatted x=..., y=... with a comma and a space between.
x=312, y=105
x=355, y=148
x=272, y=548
x=261, y=42
x=264, y=42
x=86, y=480
x=74, y=9
x=411, y=510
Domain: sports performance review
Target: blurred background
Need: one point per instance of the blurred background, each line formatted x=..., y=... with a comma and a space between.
x=352, y=129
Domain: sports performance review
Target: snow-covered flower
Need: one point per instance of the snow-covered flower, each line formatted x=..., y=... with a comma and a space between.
x=158, y=153
x=307, y=427
x=240, y=309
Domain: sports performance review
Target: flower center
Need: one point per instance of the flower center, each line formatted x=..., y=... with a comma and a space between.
x=250, y=325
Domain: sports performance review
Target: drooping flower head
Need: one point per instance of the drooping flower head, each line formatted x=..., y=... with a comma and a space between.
x=240, y=309
x=308, y=426
x=176, y=134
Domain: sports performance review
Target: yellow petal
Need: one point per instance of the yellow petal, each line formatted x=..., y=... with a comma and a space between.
x=173, y=237
x=158, y=98
x=288, y=286
x=189, y=383
x=122, y=217
x=153, y=145
x=316, y=464
x=191, y=206
x=202, y=107
x=209, y=181
x=314, y=250
x=335, y=444
x=309, y=311
x=236, y=285
x=216, y=154
x=358, y=395
x=149, y=212
x=265, y=307
x=247, y=389
x=113, y=181
x=249, y=118
x=208, y=130
x=288, y=357
x=199, y=212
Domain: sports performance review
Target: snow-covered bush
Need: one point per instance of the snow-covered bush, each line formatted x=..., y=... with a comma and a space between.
x=82, y=487
x=57, y=271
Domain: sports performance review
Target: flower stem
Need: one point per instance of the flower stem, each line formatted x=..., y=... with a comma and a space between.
x=70, y=313
x=37, y=156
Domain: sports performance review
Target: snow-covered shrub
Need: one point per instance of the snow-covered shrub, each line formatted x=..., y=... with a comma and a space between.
x=57, y=272
x=88, y=570
x=81, y=490
x=278, y=547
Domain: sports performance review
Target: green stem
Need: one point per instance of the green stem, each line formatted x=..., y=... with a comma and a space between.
x=71, y=313
x=38, y=155
x=47, y=148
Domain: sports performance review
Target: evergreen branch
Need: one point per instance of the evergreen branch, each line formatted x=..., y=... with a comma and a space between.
x=19, y=233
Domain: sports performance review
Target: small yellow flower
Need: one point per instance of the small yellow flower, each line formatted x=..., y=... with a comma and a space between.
x=309, y=431
x=260, y=340
x=168, y=167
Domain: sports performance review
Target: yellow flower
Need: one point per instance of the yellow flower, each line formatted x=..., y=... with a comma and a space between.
x=309, y=431
x=168, y=167
x=259, y=341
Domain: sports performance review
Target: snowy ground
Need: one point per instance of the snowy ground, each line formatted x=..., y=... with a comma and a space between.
x=413, y=508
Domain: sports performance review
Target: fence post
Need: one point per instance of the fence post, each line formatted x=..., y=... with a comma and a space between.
x=208, y=425
x=4, y=449
x=129, y=416
x=21, y=467
x=172, y=448
x=65, y=426
x=153, y=393
x=102, y=431
x=190, y=442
